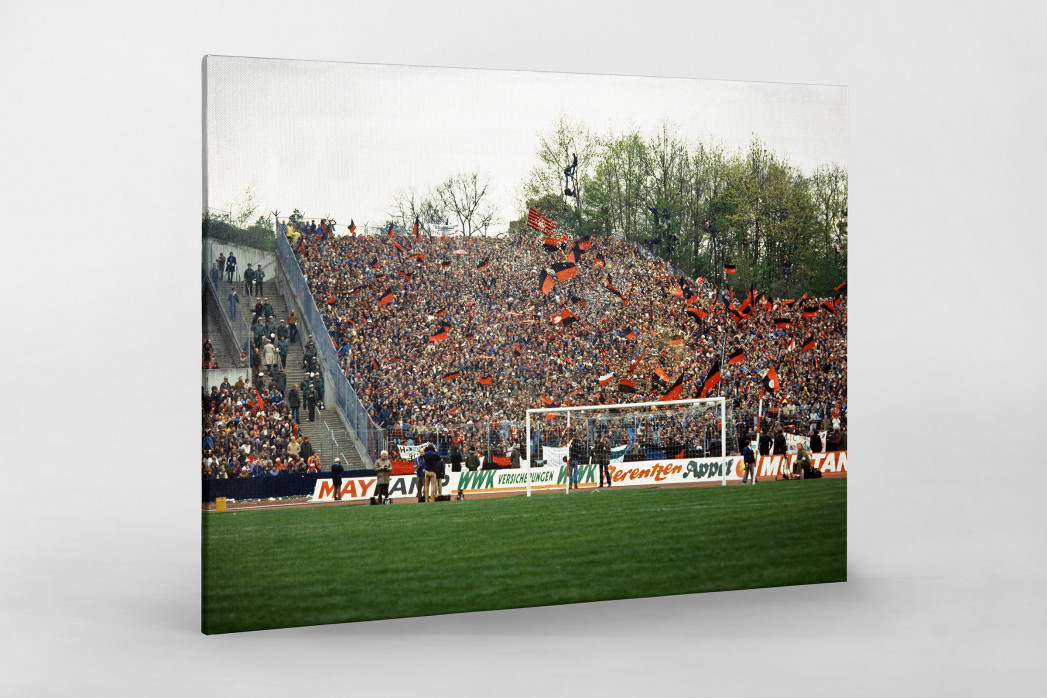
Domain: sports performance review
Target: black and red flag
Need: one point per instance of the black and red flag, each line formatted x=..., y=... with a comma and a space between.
x=598, y=261
x=391, y=228
x=612, y=289
x=625, y=385
x=549, y=247
x=711, y=378
x=374, y=362
x=565, y=270
x=841, y=287
x=783, y=323
x=546, y=282
x=770, y=380
x=575, y=255
x=630, y=333
x=485, y=380
x=736, y=356
x=577, y=301
x=417, y=234
x=440, y=312
x=789, y=303
x=517, y=350
x=379, y=277
x=807, y=343
x=632, y=366
x=405, y=274
x=484, y=264
x=827, y=305
x=696, y=314
x=374, y=263
x=564, y=317
x=439, y=336
x=452, y=375
x=673, y=393
x=400, y=247
x=804, y=297
x=352, y=227
x=810, y=312
x=386, y=297
x=446, y=263
x=729, y=268
x=584, y=243
x=540, y=222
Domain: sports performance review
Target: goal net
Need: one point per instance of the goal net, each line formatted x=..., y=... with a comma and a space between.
x=637, y=433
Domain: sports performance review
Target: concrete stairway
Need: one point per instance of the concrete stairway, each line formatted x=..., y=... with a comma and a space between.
x=328, y=442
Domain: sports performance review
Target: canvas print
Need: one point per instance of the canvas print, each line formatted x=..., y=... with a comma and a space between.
x=477, y=340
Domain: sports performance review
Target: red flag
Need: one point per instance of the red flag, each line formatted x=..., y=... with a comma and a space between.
x=540, y=222
x=673, y=393
x=841, y=287
x=417, y=234
x=598, y=261
x=736, y=356
x=452, y=375
x=546, y=282
x=386, y=297
x=485, y=380
x=807, y=343
x=439, y=336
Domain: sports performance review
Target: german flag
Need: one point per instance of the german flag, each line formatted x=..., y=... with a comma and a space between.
x=841, y=287
x=565, y=270
x=386, y=297
x=439, y=336
x=696, y=314
x=673, y=393
x=546, y=282
x=807, y=343
x=452, y=375
x=540, y=223
x=810, y=312
x=391, y=228
x=783, y=323
x=414, y=231
x=729, y=268
x=485, y=380
x=605, y=379
x=711, y=378
x=626, y=386
x=598, y=261
x=352, y=227
x=770, y=380
x=484, y=264
x=736, y=356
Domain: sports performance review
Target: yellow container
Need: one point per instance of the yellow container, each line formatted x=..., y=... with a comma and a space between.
x=219, y=504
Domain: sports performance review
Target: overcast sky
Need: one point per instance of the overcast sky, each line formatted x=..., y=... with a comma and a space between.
x=343, y=138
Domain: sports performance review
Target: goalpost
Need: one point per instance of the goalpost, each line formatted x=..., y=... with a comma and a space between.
x=637, y=431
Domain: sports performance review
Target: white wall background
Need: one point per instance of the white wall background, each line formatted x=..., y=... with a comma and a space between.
x=101, y=189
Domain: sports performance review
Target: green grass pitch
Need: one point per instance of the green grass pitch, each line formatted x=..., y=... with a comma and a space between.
x=307, y=566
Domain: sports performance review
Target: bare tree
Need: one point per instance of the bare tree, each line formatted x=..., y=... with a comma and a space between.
x=466, y=196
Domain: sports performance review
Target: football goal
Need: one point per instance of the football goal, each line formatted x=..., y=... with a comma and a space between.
x=625, y=433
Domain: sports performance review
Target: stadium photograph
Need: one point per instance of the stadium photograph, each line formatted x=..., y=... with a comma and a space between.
x=477, y=339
